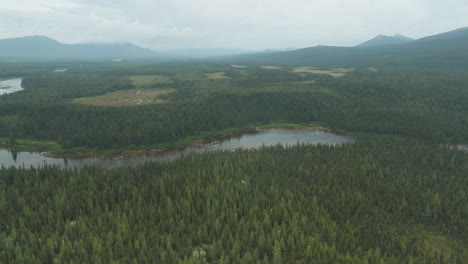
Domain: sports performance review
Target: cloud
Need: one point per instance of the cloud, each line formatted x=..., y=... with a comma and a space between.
x=249, y=24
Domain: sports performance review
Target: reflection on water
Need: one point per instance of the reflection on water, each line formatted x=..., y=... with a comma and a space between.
x=266, y=137
x=10, y=86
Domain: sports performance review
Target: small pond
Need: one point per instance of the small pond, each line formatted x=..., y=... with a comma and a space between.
x=10, y=86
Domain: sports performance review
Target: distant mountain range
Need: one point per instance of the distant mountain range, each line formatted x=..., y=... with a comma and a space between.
x=44, y=47
x=450, y=48
x=386, y=40
x=39, y=46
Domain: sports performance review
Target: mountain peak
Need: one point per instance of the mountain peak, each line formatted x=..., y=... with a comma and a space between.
x=35, y=37
x=32, y=38
x=386, y=40
x=402, y=37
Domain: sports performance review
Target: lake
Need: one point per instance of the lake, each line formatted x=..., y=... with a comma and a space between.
x=10, y=86
x=251, y=140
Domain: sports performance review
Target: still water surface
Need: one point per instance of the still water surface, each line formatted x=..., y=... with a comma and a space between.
x=264, y=137
x=10, y=86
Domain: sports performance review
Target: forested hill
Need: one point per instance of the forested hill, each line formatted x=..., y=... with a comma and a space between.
x=449, y=48
x=39, y=46
x=385, y=40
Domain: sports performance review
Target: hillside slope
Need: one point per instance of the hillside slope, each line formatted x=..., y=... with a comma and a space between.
x=40, y=46
x=449, y=48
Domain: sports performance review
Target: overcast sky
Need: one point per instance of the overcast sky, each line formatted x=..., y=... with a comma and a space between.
x=244, y=24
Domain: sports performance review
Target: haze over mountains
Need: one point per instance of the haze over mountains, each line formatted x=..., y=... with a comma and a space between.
x=386, y=40
x=451, y=45
x=44, y=47
x=446, y=48
x=39, y=46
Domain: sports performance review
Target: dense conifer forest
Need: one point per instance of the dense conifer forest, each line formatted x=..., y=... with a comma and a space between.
x=397, y=195
x=381, y=200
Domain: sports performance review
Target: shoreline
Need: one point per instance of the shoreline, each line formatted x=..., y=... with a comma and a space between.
x=54, y=150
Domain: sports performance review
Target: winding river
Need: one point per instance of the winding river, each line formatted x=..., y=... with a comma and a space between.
x=255, y=140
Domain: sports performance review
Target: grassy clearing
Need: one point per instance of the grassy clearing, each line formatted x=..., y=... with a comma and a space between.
x=294, y=82
x=148, y=80
x=335, y=72
x=238, y=66
x=295, y=126
x=216, y=75
x=437, y=245
x=304, y=82
x=126, y=98
x=29, y=145
x=9, y=120
x=434, y=244
x=270, y=68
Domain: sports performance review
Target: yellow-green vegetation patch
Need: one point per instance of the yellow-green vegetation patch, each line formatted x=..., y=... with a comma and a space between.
x=23, y=144
x=304, y=82
x=216, y=75
x=437, y=244
x=334, y=72
x=131, y=97
x=294, y=82
x=294, y=126
x=148, y=80
x=238, y=66
x=270, y=68
x=9, y=120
